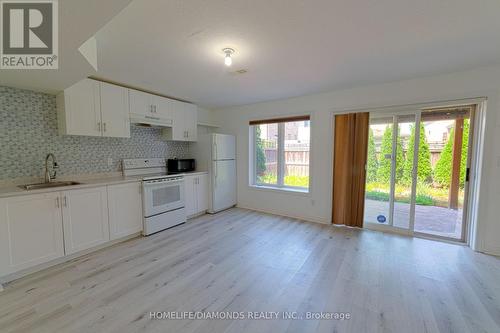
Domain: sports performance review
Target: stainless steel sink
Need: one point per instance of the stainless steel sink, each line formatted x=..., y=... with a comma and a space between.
x=38, y=186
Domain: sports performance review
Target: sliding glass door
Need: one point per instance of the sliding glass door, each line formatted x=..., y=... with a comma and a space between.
x=443, y=172
x=390, y=168
x=417, y=171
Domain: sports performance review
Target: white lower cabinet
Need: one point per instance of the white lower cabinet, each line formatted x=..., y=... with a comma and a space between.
x=38, y=228
x=125, y=210
x=202, y=193
x=85, y=218
x=31, y=231
x=196, y=194
x=189, y=195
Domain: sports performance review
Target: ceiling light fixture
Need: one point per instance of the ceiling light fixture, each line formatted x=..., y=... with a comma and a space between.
x=228, y=53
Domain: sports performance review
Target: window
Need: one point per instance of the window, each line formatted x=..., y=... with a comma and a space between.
x=280, y=153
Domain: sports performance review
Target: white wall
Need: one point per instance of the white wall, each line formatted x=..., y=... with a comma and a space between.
x=316, y=206
x=205, y=116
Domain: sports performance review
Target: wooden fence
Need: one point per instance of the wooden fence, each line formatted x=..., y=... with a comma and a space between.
x=296, y=160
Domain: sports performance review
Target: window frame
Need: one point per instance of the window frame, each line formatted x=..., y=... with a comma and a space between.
x=280, y=174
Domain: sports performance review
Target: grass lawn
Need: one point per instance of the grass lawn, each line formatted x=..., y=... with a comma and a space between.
x=426, y=194
x=295, y=181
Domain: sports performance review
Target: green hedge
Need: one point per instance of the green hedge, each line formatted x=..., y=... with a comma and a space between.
x=442, y=171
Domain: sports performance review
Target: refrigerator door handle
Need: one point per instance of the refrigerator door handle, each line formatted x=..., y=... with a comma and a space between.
x=215, y=174
x=215, y=150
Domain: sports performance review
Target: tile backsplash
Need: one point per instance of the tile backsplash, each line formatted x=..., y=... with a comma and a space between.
x=28, y=132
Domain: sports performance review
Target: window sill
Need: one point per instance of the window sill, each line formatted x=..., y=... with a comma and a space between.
x=298, y=191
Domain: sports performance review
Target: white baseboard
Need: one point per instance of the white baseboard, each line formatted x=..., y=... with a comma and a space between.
x=280, y=213
x=38, y=268
x=494, y=251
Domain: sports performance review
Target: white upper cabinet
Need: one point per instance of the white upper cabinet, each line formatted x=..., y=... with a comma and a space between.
x=85, y=218
x=163, y=107
x=79, y=109
x=31, y=231
x=191, y=121
x=94, y=108
x=125, y=210
x=140, y=102
x=150, y=107
x=178, y=130
x=114, y=111
x=185, y=121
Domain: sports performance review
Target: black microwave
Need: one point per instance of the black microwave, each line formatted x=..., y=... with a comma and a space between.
x=181, y=165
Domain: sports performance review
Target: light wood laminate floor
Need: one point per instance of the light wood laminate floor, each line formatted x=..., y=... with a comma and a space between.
x=241, y=260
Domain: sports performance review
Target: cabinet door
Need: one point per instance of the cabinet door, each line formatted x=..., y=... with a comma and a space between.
x=114, y=111
x=163, y=107
x=125, y=210
x=178, y=122
x=202, y=193
x=191, y=121
x=85, y=218
x=82, y=108
x=31, y=231
x=190, y=197
x=140, y=102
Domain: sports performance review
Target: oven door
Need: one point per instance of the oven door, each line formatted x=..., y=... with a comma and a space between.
x=162, y=195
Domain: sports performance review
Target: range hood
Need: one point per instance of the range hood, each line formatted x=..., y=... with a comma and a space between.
x=149, y=121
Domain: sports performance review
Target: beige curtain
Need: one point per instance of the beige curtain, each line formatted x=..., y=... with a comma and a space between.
x=350, y=150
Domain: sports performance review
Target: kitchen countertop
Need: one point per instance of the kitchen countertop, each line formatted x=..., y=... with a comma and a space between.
x=12, y=189
x=191, y=173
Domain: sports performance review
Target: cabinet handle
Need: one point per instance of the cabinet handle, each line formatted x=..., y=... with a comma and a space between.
x=155, y=108
x=57, y=202
x=99, y=126
x=65, y=202
x=104, y=127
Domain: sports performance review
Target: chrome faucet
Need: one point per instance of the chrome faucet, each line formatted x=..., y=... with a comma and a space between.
x=50, y=177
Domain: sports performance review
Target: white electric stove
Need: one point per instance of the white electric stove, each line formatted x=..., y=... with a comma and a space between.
x=162, y=194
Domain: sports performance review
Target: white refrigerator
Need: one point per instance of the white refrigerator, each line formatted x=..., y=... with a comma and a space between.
x=217, y=153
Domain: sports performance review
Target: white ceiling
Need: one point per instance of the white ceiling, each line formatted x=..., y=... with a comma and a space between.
x=289, y=47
